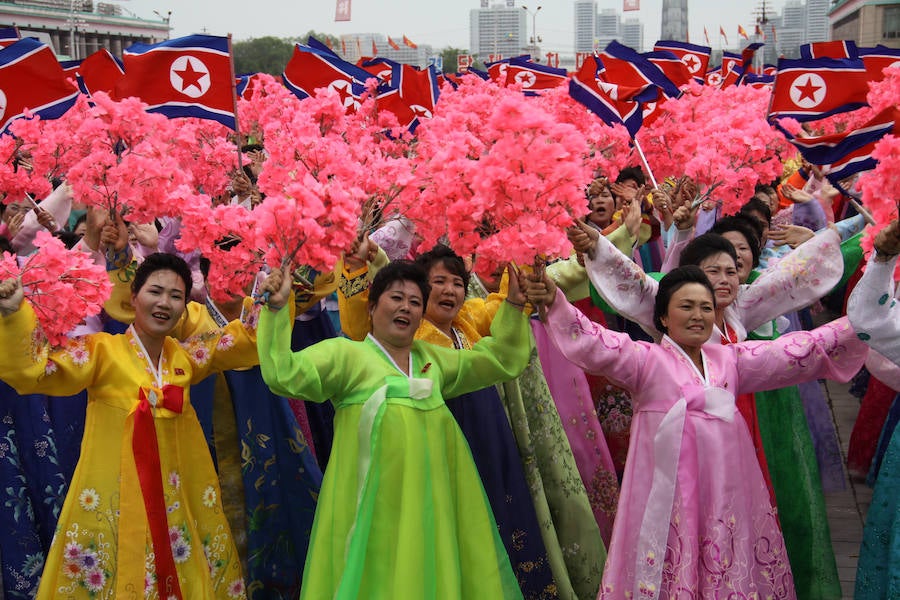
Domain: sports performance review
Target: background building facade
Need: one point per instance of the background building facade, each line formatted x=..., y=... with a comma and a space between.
x=866, y=22
x=498, y=29
x=77, y=28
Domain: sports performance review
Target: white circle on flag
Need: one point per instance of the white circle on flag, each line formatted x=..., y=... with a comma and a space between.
x=526, y=78
x=2, y=104
x=894, y=65
x=649, y=107
x=692, y=62
x=503, y=67
x=385, y=75
x=189, y=76
x=420, y=111
x=714, y=79
x=808, y=90
x=345, y=90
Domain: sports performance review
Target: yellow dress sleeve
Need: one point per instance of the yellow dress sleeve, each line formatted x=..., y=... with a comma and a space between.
x=353, y=303
x=29, y=365
x=231, y=347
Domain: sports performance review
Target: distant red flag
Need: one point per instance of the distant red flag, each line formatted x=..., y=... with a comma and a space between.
x=374, y=48
x=183, y=77
x=706, y=35
x=722, y=33
x=409, y=42
x=100, y=72
x=631, y=5
x=759, y=32
x=743, y=32
x=393, y=44
x=358, y=47
x=342, y=10
x=32, y=79
x=343, y=46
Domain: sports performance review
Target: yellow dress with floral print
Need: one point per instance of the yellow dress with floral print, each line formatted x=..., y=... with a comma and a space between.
x=103, y=546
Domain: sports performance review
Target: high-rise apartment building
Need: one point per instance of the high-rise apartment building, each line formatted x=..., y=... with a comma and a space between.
x=498, y=29
x=585, y=25
x=609, y=27
x=633, y=33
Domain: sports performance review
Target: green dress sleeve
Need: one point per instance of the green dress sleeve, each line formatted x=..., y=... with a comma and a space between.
x=499, y=357
x=312, y=374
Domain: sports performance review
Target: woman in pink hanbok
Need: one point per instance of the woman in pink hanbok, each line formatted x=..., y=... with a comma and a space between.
x=694, y=517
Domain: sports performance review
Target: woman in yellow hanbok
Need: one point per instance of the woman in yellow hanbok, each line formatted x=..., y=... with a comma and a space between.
x=143, y=516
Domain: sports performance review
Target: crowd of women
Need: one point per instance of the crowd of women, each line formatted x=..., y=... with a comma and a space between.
x=642, y=419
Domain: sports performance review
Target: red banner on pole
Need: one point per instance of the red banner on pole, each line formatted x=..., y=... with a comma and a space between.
x=631, y=5
x=342, y=10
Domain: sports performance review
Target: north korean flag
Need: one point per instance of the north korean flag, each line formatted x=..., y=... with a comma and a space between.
x=100, y=72
x=879, y=58
x=31, y=79
x=758, y=81
x=70, y=68
x=835, y=49
x=497, y=69
x=310, y=69
x=389, y=99
x=828, y=149
x=185, y=77
x=8, y=36
x=585, y=88
x=694, y=57
x=714, y=77
x=627, y=67
x=533, y=76
x=671, y=66
x=419, y=89
x=808, y=89
x=384, y=69
x=244, y=85
x=730, y=60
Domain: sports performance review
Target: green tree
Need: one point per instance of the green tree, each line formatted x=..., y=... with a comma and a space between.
x=262, y=55
x=270, y=54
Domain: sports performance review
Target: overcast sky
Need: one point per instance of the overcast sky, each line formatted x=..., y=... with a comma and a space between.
x=437, y=22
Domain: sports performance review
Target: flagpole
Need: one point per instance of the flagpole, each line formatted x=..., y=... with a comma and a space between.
x=644, y=159
x=855, y=202
x=237, y=127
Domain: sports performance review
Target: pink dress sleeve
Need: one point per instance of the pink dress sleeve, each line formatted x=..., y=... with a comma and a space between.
x=831, y=351
x=594, y=348
x=623, y=284
x=874, y=312
x=799, y=279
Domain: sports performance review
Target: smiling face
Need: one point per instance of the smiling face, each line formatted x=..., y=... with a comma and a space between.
x=744, y=253
x=448, y=292
x=723, y=275
x=159, y=303
x=397, y=314
x=690, y=316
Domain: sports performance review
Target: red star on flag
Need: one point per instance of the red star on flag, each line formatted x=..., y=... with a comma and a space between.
x=691, y=63
x=190, y=77
x=807, y=90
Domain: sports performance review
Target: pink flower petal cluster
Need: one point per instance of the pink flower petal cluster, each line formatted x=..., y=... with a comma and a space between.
x=226, y=236
x=500, y=175
x=879, y=188
x=720, y=138
x=310, y=179
x=64, y=286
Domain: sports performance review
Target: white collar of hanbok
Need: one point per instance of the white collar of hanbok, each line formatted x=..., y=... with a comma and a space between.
x=703, y=376
x=391, y=358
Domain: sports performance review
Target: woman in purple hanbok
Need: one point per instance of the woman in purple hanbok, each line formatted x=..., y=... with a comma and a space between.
x=694, y=517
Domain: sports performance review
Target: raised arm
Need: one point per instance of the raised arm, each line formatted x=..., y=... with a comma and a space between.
x=27, y=363
x=872, y=308
x=622, y=283
x=831, y=351
x=799, y=279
